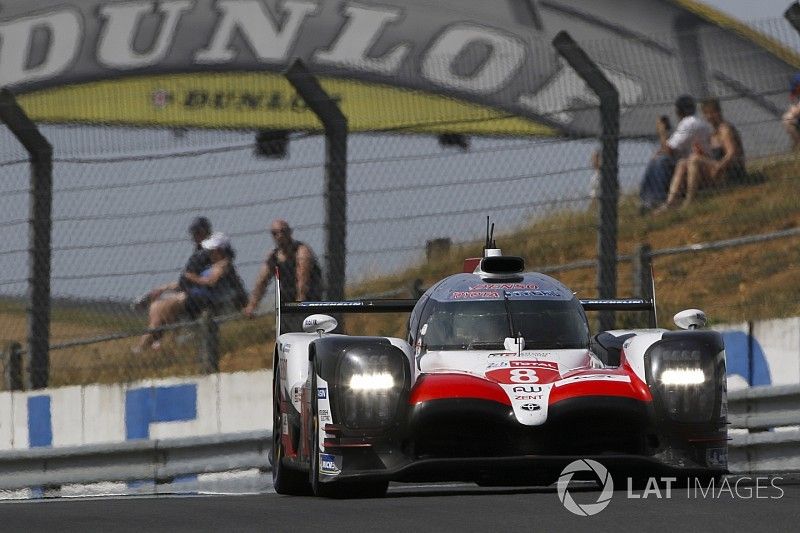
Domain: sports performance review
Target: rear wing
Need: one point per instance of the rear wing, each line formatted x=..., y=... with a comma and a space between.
x=406, y=306
x=349, y=306
x=626, y=304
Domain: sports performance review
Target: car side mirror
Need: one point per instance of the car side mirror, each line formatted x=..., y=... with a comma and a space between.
x=690, y=319
x=514, y=344
x=319, y=324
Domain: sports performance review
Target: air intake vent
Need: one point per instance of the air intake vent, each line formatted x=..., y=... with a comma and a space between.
x=500, y=267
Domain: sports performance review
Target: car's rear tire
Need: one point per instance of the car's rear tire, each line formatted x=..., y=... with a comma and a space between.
x=285, y=480
x=334, y=489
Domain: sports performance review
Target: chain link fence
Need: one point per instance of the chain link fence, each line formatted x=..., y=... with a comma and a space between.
x=417, y=198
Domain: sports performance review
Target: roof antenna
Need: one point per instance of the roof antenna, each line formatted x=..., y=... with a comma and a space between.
x=490, y=248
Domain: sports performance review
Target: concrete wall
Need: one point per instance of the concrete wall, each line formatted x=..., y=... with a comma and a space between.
x=163, y=408
x=760, y=353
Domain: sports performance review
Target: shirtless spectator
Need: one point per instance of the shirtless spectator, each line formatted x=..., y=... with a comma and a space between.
x=300, y=274
x=791, y=119
x=724, y=161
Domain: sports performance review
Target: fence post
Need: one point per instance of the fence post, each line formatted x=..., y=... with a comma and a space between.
x=39, y=232
x=792, y=14
x=336, y=129
x=609, y=183
x=209, y=343
x=12, y=366
x=643, y=276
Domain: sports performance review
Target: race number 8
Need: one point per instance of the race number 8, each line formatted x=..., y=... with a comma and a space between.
x=524, y=375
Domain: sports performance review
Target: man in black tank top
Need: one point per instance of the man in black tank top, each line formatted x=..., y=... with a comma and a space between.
x=300, y=273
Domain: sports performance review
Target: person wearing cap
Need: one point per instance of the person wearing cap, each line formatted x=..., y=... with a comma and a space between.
x=791, y=119
x=215, y=286
x=692, y=134
x=300, y=273
x=199, y=230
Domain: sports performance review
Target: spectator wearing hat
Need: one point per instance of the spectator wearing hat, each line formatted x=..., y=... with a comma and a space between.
x=691, y=134
x=791, y=119
x=199, y=230
x=216, y=286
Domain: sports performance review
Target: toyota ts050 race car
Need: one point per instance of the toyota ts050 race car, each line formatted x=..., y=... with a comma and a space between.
x=499, y=382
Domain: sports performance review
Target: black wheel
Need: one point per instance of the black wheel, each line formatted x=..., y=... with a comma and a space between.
x=335, y=489
x=286, y=480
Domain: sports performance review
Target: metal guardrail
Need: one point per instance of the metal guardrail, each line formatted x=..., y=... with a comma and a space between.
x=156, y=460
x=760, y=410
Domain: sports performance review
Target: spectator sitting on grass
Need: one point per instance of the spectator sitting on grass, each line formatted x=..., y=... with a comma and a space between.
x=724, y=162
x=791, y=119
x=691, y=133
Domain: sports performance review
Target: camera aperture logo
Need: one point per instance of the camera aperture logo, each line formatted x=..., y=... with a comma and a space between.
x=585, y=509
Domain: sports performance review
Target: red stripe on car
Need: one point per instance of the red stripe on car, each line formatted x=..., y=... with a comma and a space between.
x=443, y=386
x=635, y=389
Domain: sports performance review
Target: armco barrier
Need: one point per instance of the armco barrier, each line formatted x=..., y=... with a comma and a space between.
x=763, y=409
x=156, y=460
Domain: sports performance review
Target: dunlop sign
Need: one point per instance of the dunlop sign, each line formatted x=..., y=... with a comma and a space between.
x=450, y=65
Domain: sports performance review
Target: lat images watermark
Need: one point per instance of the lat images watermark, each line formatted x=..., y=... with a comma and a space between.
x=739, y=488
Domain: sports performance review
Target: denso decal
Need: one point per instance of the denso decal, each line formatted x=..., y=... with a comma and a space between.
x=468, y=295
x=327, y=464
x=504, y=286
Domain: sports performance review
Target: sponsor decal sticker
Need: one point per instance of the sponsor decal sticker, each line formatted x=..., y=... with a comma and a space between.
x=530, y=406
x=594, y=377
x=523, y=388
x=474, y=295
x=325, y=416
x=529, y=294
x=327, y=464
x=504, y=286
x=523, y=397
x=322, y=393
x=717, y=457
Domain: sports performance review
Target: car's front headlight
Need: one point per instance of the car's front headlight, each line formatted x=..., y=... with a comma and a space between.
x=684, y=371
x=683, y=376
x=372, y=380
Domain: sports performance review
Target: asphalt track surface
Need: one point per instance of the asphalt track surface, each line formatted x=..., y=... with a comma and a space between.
x=418, y=508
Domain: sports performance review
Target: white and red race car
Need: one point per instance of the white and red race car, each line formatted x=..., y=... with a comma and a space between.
x=499, y=382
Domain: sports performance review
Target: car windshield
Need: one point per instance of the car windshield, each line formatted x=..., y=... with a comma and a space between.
x=484, y=325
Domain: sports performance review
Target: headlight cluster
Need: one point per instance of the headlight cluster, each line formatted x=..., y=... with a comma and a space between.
x=371, y=382
x=684, y=379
